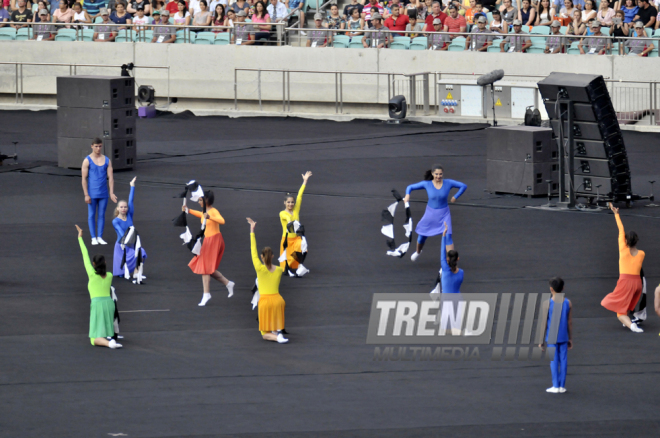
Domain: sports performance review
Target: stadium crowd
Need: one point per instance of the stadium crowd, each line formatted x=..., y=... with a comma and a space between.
x=548, y=26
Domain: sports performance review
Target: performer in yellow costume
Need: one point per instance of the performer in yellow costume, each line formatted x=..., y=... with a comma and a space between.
x=293, y=240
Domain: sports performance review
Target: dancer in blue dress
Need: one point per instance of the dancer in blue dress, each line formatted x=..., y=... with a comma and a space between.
x=122, y=222
x=98, y=184
x=437, y=209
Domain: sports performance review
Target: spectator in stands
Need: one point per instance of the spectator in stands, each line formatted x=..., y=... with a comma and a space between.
x=605, y=13
x=526, y=13
x=120, y=16
x=4, y=15
x=133, y=7
x=469, y=12
x=481, y=38
x=251, y=4
x=41, y=4
x=640, y=47
x=378, y=39
x=220, y=18
x=397, y=21
x=454, y=23
x=437, y=41
x=498, y=25
x=348, y=9
x=335, y=20
x=181, y=16
x=277, y=11
x=387, y=7
x=64, y=14
x=158, y=5
x=576, y=27
x=104, y=33
x=589, y=10
x=424, y=10
x=79, y=15
x=261, y=17
x=240, y=5
x=243, y=34
x=367, y=23
x=366, y=11
x=435, y=13
x=319, y=36
x=172, y=7
x=414, y=25
x=163, y=35
x=296, y=10
x=203, y=18
x=490, y=5
x=155, y=15
x=646, y=14
x=546, y=14
x=567, y=11
x=518, y=40
x=193, y=8
x=555, y=42
x=595, y=46
x=355, y=24
x=508, y=12
x=45, y=31
x=629, y=11
x=21, y=15
x=619, y=29
x=140, y=19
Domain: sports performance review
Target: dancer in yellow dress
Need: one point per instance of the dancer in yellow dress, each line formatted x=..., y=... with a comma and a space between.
x=271, y=303
x=292, y=239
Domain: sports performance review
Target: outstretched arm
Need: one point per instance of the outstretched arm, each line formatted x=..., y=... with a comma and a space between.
x=296, y=208
x=130, y=198
x=443, y=250
x=253, y=246
x=88, y=265
x=619, y=224
x=412, y=187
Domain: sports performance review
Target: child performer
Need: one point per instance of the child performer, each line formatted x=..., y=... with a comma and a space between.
x=559, y=364
x=123, y=221
x=102, y=308
x=293, y=241
x=437, y=209
x=629, y=287
x=271, y=303
x=97, y=177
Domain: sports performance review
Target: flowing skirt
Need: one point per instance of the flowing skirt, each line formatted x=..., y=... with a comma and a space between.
x=208, y=260
x=271, y=313
x=433, y=222
x=625, y=296
x=293, y=245
x=101, y=318
x=131, y=260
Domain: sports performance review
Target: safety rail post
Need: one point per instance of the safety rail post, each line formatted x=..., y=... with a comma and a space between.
x=283, y=91
x=651, y=101
x=235, y=91
x=425, y=79
x=21, y=68
x=336, y=92
x=259, y=88
x=288, y=90
x=413, y=92
x=16, y=77
x=341, y=93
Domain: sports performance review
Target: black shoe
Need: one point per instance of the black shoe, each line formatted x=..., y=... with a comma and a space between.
x=284, y=332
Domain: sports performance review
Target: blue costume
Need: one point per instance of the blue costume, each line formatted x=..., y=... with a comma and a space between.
x=97, y=188
x=559, y=364
x=451, y=283
x=120, y=227
x=437, y=209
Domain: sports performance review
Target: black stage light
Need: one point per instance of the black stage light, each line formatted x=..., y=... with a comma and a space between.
x=146, y=94
x=398, y=107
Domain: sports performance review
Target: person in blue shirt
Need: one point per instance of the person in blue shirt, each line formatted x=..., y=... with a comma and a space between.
x=98, y=184
x=123, y=221
x=437, y=209
x=93, y=7
x=559, y=364
x=451, y=274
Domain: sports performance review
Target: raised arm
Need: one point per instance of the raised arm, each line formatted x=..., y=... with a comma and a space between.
x=253, y=247
x=131, y=210
x=443, y=254
x=296, y=208
x=619, y=224
x=88, y=265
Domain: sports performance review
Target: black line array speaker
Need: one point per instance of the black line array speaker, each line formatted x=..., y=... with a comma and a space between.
x=96, y=106
x=600, y=157
x=521, y=159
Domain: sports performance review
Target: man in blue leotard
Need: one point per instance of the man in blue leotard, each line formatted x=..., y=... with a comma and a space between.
x=97, y=178
x=559, y=364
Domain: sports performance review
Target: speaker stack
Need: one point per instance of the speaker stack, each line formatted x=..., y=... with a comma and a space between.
x=600, y=161
x=521, y=160
x=96, y=106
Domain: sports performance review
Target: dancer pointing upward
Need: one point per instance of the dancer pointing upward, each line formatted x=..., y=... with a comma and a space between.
x=437, y=209
x=291, y=241
x=122, y=222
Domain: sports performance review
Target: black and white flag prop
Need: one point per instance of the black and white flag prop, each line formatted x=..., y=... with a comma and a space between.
x=116, y=318
x=131, y=239
x=388, y=229
x=255, y=294
x=640, y=314
x=196, y=193
x=297, y=228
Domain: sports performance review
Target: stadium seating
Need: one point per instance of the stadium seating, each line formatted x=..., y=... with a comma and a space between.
x=7, y=34
x=23, y=34
x=125, y=36
x=205, y=38
x=340, y=41
x=400, y=43
x=66, y=35
x=457, y=45
x=419, y=43
x=222, y=39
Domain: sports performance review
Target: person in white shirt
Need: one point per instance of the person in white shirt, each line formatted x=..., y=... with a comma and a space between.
x=277, y=11
x=140, y=19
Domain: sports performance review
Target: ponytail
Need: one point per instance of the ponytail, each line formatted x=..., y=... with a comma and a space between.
x=428, y=175
x=631, y=239
x=267, y=254
x=452, y=259
x=99, y=265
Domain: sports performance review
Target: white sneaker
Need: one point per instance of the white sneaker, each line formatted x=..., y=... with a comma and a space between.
x=101, y=241
x=205, y=299
x=230, y=288
x=114, y=345
x=281, y=339
x=562, y=390
x=634, y=328
x=301, y=271
x=553, y=390
x=414, y=256
x=94, y=241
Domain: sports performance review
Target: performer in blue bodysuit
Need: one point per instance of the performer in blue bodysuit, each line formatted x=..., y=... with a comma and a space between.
x=451, y=274
x=437, y=209
x=559, y=364
x=98, y=183
x=122, y=222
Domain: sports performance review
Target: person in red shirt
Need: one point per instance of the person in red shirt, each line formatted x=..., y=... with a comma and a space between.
x=455, y=22
x=397, y=21
x=366, y=11
x=436, y=13
x=173, y=6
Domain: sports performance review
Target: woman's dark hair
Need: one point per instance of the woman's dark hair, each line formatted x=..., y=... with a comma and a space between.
x=99, y=265
x=289, y=195
x=452, y=259
x=356, y=9
x=267, y=254
x=204, y=1
x=219, y=17
x=264, y=11
x=541, y=8
x=631, y=239
x=208, y=195
x=428, y=176
x=185, y=7
x=557, y=284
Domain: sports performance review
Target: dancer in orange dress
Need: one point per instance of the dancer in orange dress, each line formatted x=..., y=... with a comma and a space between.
x=629, y=287
x=213, y=247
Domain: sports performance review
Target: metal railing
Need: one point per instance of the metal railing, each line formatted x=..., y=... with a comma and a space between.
x=73, y=71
